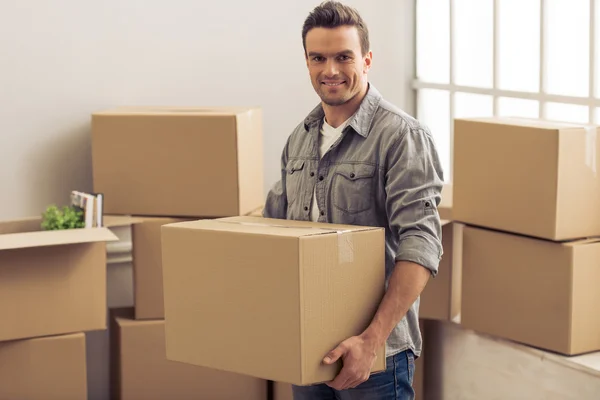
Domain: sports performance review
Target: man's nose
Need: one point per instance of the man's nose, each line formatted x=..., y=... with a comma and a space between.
x=331, y=69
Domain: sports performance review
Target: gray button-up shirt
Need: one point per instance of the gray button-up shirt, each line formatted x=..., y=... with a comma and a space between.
x=383, y=171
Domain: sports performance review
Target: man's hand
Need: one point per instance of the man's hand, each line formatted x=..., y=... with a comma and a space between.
x=358, y=355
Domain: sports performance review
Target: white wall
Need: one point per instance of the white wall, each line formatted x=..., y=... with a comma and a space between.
x=65, y=59
x=62, y=60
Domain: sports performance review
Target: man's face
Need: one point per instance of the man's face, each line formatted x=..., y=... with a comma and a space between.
x=337, y=68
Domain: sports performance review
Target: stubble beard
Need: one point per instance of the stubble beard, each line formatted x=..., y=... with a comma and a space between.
x=335, y=101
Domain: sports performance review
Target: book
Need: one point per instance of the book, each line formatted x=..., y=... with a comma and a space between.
x=92, y=205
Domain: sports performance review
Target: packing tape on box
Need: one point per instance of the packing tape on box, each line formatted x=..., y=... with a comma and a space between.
x=591, y=137
x=344, y=239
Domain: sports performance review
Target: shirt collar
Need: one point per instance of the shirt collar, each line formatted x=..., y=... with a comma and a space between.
x=361, y=120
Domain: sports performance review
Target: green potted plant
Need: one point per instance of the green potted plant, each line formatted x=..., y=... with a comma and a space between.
x=69, y=217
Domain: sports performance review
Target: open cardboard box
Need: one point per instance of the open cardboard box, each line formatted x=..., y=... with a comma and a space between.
x=51, y=282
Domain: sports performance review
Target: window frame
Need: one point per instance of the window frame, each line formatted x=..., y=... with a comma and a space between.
x=541, y=96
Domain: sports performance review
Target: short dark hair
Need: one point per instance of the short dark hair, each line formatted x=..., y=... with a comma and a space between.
x=332, y=14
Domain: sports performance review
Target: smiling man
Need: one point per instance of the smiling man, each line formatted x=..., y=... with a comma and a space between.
x=357, y=159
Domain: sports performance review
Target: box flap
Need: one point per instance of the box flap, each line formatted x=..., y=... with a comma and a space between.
x=525, y=122
x=114, y=221
x=268, y=226
x=30, y=224
x=583, y=242
x=53, y=238
x=164, y=110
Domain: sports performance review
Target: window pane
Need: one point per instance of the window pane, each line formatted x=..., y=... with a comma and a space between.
x=567, y=112
x=473, y=42
x=511, y=107
x=567, y=47
x=469, y=105
x=433, y=41
x=519, y=45
x=433, y=109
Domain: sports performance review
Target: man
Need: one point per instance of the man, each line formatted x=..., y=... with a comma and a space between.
x=357, y=159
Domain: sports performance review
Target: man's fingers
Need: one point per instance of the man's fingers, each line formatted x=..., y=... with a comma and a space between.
x=357, y=382
x=341, y=380
x=335, y=354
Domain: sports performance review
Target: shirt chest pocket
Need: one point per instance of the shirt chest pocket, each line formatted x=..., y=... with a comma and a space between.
x=352, y=187
x=294, y=171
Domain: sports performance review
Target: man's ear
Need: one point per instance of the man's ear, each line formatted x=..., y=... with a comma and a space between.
x=368, y=58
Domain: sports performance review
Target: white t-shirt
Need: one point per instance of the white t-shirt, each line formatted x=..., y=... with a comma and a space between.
x=327, y=138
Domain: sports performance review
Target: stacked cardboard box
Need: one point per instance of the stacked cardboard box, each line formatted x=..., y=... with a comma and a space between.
x=463, y=364
x=157, y=166
x=52, y=288
x=529, y=194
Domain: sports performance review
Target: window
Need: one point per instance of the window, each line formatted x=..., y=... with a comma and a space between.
x=523, y=58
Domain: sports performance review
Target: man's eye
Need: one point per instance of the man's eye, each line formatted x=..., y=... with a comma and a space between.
x=344, y=58
x=318, y=59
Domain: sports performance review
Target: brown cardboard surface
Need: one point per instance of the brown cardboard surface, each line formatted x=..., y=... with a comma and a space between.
x=419, y=375
x=51, y=282
x=188, y=162
x=529, y=177
x=269, y=298
x=27, y=233
x=533, y=291
x=282, y=391
x=441, y=298
x=140, y=369
x=49, y=368
x=114, y=221
x=147, y=267
x=462, y=364
x=445, y=207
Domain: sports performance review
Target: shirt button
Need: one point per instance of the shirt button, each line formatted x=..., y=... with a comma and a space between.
x=305, y=208
x=312, y=174
x=321, y=177
x=352, y=175
x=322, y=212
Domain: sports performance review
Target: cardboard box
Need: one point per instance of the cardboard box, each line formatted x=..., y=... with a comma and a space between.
x=269, y=298
x=51, y=282
x=527, y=176
x=191, y=162
x=282, y=391
x=442, y=295
x=537, y=292
x=146, y=260
x=49, y=368
x=445, y=207
x=462, y=364
x=419, y=375
x=147, y=268
x=140, y=369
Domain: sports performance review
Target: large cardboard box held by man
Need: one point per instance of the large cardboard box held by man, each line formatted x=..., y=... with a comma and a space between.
x=51, y=282
x=530, y=177
x=140, y=369
x=269, y=298
x=533, y=291
x=48, y=368
x=178, y=162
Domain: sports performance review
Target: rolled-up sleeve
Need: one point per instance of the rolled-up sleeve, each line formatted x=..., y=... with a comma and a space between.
x=276, y=202
x=414, y=180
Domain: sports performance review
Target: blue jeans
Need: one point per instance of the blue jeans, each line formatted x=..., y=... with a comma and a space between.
x=395, y=383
